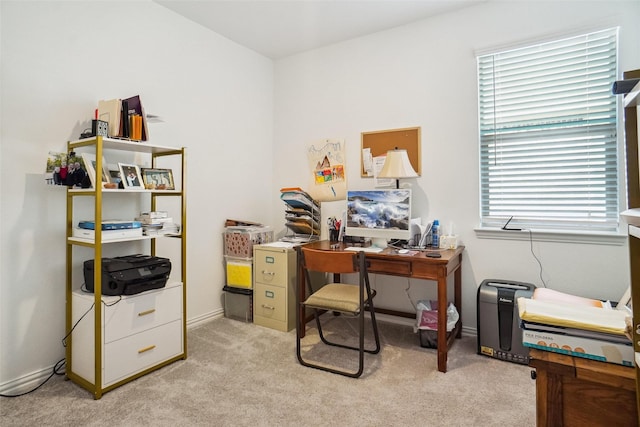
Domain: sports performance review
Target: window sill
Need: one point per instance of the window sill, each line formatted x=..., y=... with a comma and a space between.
x=593, y=238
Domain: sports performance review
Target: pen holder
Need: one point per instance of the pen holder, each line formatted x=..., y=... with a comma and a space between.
x=333, y=235
x=98, y=127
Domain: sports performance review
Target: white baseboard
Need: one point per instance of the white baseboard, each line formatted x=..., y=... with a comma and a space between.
x=32, y=380
x=205, y=318
x=26, y=382
x=405, y=321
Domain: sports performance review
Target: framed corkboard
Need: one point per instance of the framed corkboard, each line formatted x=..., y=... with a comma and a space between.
x=379, y=142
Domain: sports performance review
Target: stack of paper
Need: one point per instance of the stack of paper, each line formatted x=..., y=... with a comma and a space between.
x=572, y=316
x=577, y=326
x=157, y=223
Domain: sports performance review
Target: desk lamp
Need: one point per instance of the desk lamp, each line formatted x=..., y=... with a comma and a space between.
x=397, y=165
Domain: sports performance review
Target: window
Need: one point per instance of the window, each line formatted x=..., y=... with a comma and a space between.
x=548, y=137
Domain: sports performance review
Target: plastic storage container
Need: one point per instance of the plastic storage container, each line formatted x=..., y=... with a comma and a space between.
x=238, y=304
x=239, y=240
x=239, y=273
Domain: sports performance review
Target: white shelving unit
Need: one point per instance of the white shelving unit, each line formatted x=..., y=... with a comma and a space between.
x=113, y=340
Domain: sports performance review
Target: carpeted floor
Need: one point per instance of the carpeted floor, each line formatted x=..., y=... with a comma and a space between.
x=240, y=374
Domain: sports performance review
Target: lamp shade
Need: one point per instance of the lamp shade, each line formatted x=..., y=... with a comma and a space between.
x=397, y=165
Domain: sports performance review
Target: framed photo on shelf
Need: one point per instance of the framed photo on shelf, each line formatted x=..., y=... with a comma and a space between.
x=90, y=165
x=158, y=179
x=114, y=174
x=130, y=175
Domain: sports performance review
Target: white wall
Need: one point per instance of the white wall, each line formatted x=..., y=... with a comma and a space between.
x=217, y=99
x=58, y=60
x=424, y=74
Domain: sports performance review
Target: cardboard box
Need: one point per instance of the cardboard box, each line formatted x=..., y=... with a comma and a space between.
x=588, y=348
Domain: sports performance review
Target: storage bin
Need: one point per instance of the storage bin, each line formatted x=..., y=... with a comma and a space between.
x=428, y=338
x=238, y=304
x=239, y=240
x=427, y=322
x=239, y=273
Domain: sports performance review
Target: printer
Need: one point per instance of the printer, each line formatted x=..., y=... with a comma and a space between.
x=129, y=275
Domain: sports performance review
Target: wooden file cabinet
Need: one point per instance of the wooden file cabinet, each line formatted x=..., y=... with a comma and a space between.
x=572, y=391
x=274, y=287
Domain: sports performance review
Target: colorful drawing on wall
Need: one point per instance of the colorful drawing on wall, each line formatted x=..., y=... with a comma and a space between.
x=327, y=163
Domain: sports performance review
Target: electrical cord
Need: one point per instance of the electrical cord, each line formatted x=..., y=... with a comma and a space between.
x=56, y=371
x=544, y=284
x=62, y=362
x=406, y=291
x=507, y=228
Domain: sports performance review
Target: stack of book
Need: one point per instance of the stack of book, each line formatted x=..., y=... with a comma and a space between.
x=157, y=223
x=581, y=327
x=126, y=118
x=111, y=229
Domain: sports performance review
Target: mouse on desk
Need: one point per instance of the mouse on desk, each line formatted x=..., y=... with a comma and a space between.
x=403, y=251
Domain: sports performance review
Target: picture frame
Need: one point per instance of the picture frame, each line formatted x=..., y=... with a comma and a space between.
x=89, y=160
x=114, y=174
x=130, y=175
x=158, y=179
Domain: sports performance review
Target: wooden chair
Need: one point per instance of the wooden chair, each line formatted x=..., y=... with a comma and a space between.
x=348, y=299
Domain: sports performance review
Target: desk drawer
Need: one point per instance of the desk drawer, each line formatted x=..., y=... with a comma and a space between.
x=399, y=267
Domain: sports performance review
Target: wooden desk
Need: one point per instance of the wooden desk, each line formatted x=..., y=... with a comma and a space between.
x=418, y=266
x=572, y=391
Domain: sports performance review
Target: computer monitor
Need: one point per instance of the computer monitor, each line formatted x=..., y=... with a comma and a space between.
x=381, y=215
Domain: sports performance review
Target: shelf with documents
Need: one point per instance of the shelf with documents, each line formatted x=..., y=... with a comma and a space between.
x=115, y=339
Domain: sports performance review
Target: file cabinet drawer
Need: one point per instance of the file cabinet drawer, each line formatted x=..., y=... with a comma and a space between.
x=271, y=267
x=270, y=302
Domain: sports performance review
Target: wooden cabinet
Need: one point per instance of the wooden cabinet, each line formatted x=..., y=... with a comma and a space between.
x=115, y=339
x=632, y=215
x=274, y=287
x=572, y=391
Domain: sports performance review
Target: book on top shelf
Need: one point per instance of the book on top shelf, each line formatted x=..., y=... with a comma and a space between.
x=110, y=111
x=136, y=109
x=126, y=118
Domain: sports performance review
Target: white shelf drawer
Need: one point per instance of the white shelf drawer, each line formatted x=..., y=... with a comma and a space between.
x=135, y=353
x=140, y=312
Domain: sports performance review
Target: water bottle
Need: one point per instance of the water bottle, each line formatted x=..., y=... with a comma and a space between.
x=435, y=234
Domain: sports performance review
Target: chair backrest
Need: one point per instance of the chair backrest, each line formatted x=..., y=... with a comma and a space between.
x=331, y=261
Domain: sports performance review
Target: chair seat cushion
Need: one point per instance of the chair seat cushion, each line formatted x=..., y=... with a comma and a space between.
x=336, y=297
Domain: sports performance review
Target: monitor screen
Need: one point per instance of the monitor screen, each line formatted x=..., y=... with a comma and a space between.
x=379, y=214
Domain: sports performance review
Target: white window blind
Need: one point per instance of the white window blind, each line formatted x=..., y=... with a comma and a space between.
x=548, y=135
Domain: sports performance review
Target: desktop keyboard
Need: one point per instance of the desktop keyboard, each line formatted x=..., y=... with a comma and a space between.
x=373, y=249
